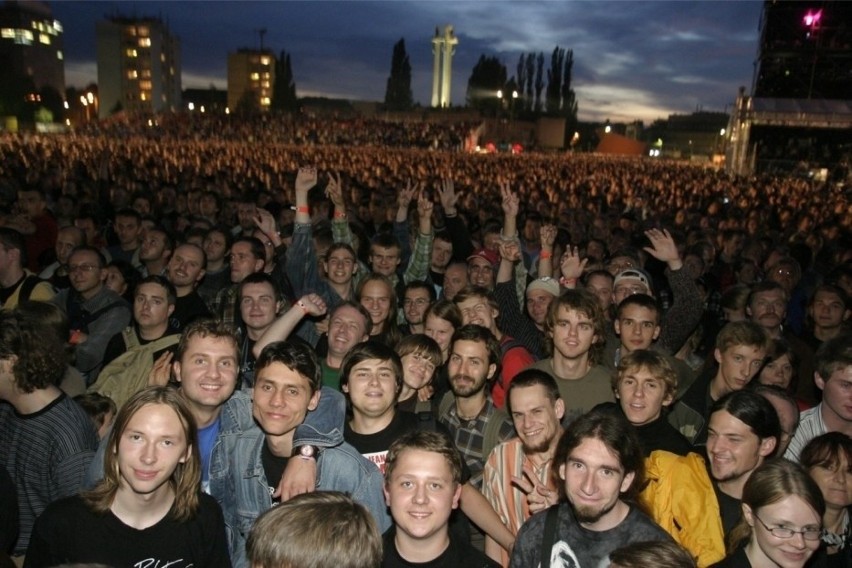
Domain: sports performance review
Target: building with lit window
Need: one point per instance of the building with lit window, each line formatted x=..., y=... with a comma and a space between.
x=138, y=66
x=251, y=77
x=31, y=45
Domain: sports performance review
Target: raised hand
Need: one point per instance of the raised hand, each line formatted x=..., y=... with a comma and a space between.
x=334, y=191
x=509, y=250
x=547, y=234
x=306, y=178
x=448, y=197
x=571, y=265
x=508, y=201
x=161, y=372
x=408, y=194
x=264, y=221
x=424, y=205
x=539, y=497
x=312, y=304
x=663, y=248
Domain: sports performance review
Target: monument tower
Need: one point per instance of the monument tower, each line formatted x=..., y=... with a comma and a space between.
x=443, y=47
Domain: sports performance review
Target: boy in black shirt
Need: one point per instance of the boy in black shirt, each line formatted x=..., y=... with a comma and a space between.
x=422, y=487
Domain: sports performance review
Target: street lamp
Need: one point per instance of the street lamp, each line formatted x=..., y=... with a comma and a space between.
x=85, y=103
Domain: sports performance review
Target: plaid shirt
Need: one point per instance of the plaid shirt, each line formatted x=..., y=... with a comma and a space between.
x=469, y=435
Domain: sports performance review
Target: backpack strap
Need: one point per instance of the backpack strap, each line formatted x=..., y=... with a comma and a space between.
x=491, y=437
x=128, y=334
x=549, y=537
x=27, y=287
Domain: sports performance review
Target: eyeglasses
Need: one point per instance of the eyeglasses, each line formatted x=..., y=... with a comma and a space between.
x=81, y=268
x=786, y=532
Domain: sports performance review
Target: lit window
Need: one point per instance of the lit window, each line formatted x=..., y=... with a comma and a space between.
x=162, y=57
x=146, y=73
x=264, y=101
x=266, y=75
x=131, y=52
x=143, y=96
x=265, y=84
x=44, y=38
x=131, y=31
x=145, y=85
x=255, y=76
x=264, y=60
x=7, y=33
x=57, y=26
x=144, y=42
x=132, y=74
x=143, y=31
x=59, y=55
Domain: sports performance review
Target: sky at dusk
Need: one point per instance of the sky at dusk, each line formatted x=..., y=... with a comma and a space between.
x=632, y=60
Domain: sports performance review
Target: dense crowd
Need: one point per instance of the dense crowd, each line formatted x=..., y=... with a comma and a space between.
x=583, y=354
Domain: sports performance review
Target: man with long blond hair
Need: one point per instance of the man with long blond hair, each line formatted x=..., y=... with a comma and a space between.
x=148, y=508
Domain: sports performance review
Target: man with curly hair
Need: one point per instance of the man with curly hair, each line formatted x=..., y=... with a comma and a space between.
x=46, y=439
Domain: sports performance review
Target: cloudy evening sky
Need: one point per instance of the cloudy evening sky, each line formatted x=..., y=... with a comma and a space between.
x=632, y=60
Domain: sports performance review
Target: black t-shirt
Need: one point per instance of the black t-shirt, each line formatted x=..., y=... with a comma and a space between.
x=731, y=509
x=69, y=532
x=273, y=467
x=188, y=309
x=374, y=447
x=458, y=554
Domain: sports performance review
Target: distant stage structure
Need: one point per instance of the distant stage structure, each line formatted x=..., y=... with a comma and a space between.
x=443, y=47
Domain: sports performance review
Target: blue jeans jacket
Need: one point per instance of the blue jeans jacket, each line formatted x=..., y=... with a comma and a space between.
x=238, y=481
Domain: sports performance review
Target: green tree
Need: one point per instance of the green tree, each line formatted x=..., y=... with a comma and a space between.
x=398, y=94
x=284, y=90
x=488, y=77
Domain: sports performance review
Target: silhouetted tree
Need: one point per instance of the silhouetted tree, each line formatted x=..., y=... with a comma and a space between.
x=539, y=81
x=522, y=79
x=488, y=76
x=398, y=94
x=284, y=90
x=530, y=98
x=554, y=81
x=569, y=100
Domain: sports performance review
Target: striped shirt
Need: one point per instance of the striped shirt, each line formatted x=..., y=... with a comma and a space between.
x=506, y=461
x=810, y=426
x=47, y=454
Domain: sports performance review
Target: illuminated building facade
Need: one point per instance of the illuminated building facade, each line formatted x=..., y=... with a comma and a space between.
x=138, y=66
x=251, y=75
x=31, y=45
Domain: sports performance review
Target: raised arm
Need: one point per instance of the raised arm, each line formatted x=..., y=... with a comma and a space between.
x=418, y=265
x=547, y=237
x=283, y=326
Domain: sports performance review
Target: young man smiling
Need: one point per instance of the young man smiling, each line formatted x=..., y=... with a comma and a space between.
x=247, y=464
x=422, y=488
x=600, y=462
x=740, y=351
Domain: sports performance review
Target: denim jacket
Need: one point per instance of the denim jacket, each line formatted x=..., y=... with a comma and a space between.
x=238, y=481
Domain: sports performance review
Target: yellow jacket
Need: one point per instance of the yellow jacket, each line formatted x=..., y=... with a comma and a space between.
x=679, y=496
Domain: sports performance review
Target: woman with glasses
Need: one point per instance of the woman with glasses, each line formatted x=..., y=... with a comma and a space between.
x=782, y=519
x=828, y=459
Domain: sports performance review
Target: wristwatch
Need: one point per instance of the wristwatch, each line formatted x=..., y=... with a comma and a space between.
x=306, y=452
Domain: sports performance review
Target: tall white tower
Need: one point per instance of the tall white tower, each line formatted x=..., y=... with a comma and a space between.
x=443, y=49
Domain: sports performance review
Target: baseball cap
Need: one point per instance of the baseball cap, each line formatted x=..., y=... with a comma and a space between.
x=633, y=274
x=545, y=284
x=492, y=257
